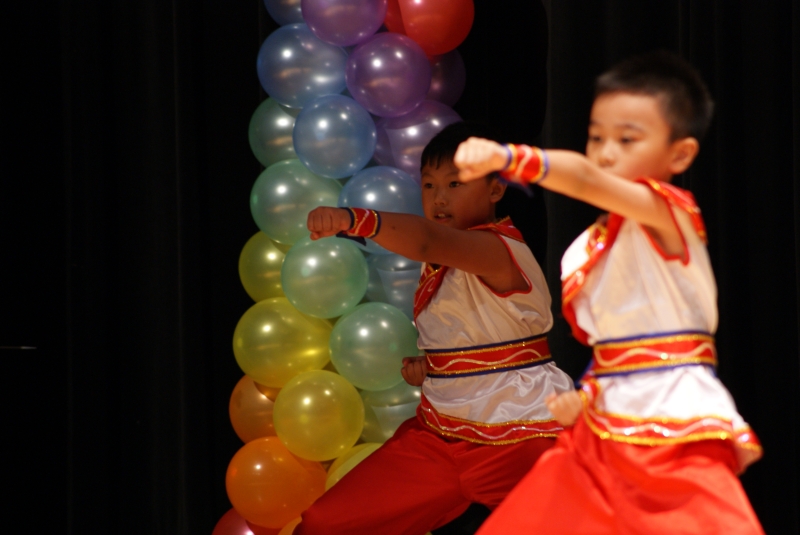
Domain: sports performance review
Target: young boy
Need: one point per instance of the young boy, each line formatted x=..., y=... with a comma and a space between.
x=656, y=439
x=482, y=311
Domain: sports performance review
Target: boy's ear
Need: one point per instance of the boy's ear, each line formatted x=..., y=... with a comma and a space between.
x=684, y=151
x=497, y=188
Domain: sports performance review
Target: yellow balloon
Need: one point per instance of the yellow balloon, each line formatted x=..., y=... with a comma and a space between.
x=260, y=267
x=339, y=461
x=288, y=529
x=273, y=342
x=318, y=415
x=339, y=472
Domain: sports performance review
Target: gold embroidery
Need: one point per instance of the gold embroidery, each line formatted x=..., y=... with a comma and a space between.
x=487, y=349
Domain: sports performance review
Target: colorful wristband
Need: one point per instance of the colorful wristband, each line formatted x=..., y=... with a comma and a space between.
x=364, y=223
x=527, y=165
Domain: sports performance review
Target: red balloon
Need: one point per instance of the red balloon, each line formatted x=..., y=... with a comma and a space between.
x=438, y=26
x=232, y=523
x=394, y=19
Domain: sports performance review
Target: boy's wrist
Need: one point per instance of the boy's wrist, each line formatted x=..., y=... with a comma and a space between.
x=363, y=222
x=526, y=165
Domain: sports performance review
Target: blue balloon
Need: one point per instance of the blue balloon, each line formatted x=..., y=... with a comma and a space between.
x=385, y=189
x=334, y=136
x=399, y=278
x=295, y=66
x=284, y=11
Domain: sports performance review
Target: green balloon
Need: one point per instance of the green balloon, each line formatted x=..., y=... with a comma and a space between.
x=324, y=278
x=368, y=345
x=260, y=268
x=400, y=394
x=273, y=342
x=270, y=132
x=284, y=194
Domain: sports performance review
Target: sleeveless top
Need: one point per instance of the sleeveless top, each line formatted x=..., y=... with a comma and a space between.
x=463, y=325
x=651, y=318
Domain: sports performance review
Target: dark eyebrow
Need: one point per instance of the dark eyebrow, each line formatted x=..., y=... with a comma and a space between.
x=632, y=126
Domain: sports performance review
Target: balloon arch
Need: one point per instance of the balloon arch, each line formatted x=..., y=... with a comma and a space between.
x=356, y=89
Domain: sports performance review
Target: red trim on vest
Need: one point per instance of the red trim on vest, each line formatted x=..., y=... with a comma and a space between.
x=602, y=238
x=431, y=278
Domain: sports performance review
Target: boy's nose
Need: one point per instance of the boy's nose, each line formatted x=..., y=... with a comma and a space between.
x=607, y=156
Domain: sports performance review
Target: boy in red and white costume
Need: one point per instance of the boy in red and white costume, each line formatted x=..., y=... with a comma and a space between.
x=656, y=439
x=482, y=311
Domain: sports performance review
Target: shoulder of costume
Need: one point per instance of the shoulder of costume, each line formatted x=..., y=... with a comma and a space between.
x=504, y=227
x=679, y=198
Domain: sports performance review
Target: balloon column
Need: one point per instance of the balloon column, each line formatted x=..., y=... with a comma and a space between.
x=322, y=345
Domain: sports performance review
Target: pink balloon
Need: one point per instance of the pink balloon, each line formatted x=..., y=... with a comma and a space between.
x=448, y=78
x=232, y=523
x=402, y=139
x=389, y=75
x=344, y=22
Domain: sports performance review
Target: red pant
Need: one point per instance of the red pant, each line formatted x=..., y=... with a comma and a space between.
x=590, y=486
x=418, y=481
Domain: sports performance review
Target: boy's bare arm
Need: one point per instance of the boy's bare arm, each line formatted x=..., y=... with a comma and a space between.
x=480, y=253
x=572, y=174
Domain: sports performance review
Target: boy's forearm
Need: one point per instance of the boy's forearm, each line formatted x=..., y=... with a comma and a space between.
x=408, y=235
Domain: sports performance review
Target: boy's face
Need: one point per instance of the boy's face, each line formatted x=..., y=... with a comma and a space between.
x=630, y=137
x=448, y=201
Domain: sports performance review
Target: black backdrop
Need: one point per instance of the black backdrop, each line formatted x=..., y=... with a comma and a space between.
x=126, y=174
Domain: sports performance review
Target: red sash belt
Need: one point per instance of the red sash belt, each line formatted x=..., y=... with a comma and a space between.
x=491, y=358
x=653, y=353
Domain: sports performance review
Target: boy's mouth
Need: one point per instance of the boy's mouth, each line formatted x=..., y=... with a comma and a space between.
x=442, y=218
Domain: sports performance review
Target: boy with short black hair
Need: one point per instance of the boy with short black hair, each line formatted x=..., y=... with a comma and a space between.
x=482, y=310
x=656, y=439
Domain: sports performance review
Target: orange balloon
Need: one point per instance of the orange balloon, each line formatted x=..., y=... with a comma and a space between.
x=269, y=486
x=268, y=391
x=250, y=410
x=438, y=26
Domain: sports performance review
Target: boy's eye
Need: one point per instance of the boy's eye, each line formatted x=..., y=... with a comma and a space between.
x=455, y=184
x=626, y=140
x=594, y=139
x=427, y=185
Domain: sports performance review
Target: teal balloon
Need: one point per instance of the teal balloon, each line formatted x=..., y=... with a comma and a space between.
x=324, y=278
x=368, y=345
x=380, y=423
x=270, y=133
x=284, y=194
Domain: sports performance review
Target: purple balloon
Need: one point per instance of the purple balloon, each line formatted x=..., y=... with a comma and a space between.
x=402, y=139
x=344, y=22
x=389, y=75
x=448, y=78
